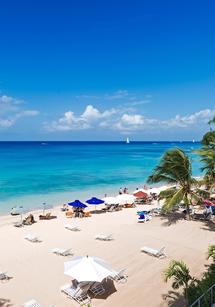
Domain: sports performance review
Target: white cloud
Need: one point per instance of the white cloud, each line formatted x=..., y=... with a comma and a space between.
x=6, y=123
x=202, y=116
x=88, y=119
x=91, y=113
x=11, y=110
x=117, y=95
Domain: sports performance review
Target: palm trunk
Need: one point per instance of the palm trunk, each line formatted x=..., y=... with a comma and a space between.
x=187, y=204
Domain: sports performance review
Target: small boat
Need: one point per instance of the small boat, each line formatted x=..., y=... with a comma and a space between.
x=127, y=141
x=193, y=141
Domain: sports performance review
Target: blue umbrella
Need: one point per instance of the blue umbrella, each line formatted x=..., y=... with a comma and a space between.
x=77, y=204
x=95, y=201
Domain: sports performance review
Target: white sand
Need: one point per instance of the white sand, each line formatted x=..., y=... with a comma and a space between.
x=37, y=273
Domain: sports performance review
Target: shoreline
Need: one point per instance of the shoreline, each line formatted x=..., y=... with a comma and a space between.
x=54, y=200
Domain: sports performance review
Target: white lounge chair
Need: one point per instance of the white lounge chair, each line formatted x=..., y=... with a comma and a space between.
x=78, y=294
x=103, y=237
x=119, y=277
x=32, y=238
x=97, y=289
x=72, y=228
x=154, y=252
x=4, y=276
x=61, y=251
x=31, y=303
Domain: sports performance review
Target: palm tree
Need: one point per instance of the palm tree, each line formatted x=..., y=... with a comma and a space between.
x=211, y=252
x=180, y=274
x=208, y=160
x=175, y=169
x=212, y=121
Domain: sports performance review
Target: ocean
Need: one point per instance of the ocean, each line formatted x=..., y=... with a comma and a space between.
x=58, y=172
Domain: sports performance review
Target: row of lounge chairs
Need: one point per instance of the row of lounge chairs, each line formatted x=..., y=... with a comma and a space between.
x=29, y=220
x=101, y=237
x=66, y=252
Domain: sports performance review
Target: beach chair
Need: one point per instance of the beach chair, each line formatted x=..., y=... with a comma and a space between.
x=31, y=303
x=119, y=277
x=47, y=216
x=103, y=237
x=18, y=224
x=32, y=238
x=144, y=218
x=72, y=228
x=4, y=276
x=62, y=252
x=97, y=289
x=78, y=294
x=153, y=252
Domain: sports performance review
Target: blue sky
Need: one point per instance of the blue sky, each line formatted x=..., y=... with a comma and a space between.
x=105, y=70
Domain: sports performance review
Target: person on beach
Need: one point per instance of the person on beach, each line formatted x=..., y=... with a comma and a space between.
x=120, y=191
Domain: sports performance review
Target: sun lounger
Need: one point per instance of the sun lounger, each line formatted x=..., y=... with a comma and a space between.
x=144, y=218
x=73, y=228
x=32, y=238
x=29, y=220
x=87, y=214
x=31, y=303
x=4, y=276
x=69, y=214
x=62, y=252
x=78, y=294
x=153, y=252
x=18, y=224
x=103, y=237
x=119, y=277
x=47, y=216
x=97, y=289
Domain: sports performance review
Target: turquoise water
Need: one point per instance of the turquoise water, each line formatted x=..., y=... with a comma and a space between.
x=36, y=171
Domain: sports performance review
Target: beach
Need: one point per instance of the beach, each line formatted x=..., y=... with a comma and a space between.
x=37, y=273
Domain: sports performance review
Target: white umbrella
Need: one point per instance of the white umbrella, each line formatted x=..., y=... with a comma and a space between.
x=124, y=199
x=111, y=200
x=87, y=269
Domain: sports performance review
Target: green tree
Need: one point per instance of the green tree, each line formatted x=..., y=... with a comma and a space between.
x=207, y=155
x=211, y=252
x=179, y=272
x=175, y=169
x=209, y=139
x=212, y=121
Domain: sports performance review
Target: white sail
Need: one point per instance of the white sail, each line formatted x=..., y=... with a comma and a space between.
x=127, y=141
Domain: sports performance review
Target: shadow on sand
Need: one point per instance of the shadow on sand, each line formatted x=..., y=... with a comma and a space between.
x=175, y=217
x=109, y=289
x=5, y=303
x=174, y=299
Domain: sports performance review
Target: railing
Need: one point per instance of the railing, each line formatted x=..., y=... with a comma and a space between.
x=205, y=300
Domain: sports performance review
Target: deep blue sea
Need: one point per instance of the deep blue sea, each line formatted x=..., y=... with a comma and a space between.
x=56, y=172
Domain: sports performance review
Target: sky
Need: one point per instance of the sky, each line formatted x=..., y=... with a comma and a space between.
x=106, y=70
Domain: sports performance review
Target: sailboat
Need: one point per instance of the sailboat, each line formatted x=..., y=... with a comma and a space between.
x=127, y=141
x=193, y=141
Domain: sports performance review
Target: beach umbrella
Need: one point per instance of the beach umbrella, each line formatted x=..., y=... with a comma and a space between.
x=124, y=199
x=95, y=201
x=87, y=269
x=140, y=194
x=77, y=204
x=141, y=190
x=111, y=200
